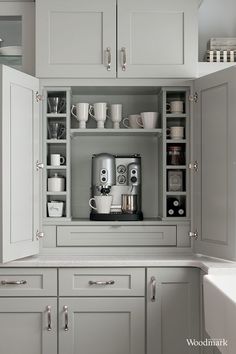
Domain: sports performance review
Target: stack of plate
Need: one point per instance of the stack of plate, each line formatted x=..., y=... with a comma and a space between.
x=11, y=50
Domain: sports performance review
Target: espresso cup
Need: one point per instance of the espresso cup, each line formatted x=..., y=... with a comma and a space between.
x=149, y=120
x=57, y=160
x=116, y=115
x=175, y=107
x=98, y=111
x=133, y=121
x=81, y=114
x=175, y=132
x=102, y=203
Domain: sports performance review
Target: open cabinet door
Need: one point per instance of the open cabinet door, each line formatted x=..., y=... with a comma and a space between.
x=19, y=151
x=214, y=196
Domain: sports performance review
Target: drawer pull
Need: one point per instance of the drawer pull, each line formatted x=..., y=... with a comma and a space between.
x=109, y=282
x=153, y=289
x=13, y=282
x=66, y=327
x=49, y=327
x=124, y=60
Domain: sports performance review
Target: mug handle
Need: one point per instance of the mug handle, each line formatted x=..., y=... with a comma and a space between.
x=124, y=122
x=138, y=122
x=90, y=111
x=62, y=160
x=72, y=112
x=62, y=132
x=168, y=110
x=168, y=132
x=90, y=203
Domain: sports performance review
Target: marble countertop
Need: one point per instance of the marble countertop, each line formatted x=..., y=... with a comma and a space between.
x=207, y=264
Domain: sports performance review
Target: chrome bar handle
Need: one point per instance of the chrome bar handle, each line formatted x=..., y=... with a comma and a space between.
x=13, y=282
x=153, y=289
x=108, y=51
x=124, y=59
x=65, y=309
x=109, y=282
x=49, y=327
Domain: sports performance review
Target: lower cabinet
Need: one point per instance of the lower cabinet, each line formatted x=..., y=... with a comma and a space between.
x=102, y=325
x=28, y=325
x=173, y=310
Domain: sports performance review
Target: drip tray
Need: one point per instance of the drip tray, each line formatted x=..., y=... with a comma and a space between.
x=116, y=217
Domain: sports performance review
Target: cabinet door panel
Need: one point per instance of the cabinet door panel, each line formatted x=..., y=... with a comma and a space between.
x=214, y=149
x=159, y=38
x=102, y=326
x=20, y=151
x=174, y=315
x=72, y=38
x=23, y=326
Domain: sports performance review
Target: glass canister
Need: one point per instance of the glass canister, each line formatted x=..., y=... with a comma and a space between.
x=175, y=155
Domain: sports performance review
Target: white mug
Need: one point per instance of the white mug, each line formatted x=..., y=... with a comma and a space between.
x=102, y=203
x=149, y=120
x=175, y=107
x=99, y=113
x=175, y=132
x=56, y=160
x=116, y=115
x=133, y=121
x=81, y=113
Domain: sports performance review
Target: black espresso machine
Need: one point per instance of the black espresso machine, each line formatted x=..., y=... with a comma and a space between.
x=120, y=177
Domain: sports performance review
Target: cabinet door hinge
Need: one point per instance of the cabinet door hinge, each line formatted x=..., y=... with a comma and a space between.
x=39, y=235
x=193, y=98
x=193, y=235
x=194, y=166
x=38, y=97
x=39, y=165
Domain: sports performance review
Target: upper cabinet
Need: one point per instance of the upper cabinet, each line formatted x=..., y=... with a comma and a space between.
x=17, y=32
x=123, y=38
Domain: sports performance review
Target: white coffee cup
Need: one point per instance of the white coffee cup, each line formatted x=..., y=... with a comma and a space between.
x=175, y=107
x=98, y=111
x=175, y=132
x=116, y=115
x=149, y=120
x=56, y=160
x=81, y=113
x=132, y=121
x=102, y=203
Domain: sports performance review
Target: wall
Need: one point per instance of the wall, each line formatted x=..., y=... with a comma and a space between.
x=217, y=18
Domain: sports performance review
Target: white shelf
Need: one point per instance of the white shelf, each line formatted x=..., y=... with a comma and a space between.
x=176, y=193
x=176, y=167
x=115, y=132
x=56, y=193
x=56, y=115
x=176, y=115
x=56, y=141
x=176, y=141
x=62, y=167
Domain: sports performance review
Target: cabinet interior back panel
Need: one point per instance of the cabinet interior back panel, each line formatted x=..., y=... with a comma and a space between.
x=83, y=148
x=214, y=164
x=149, y=46
x=77, y=26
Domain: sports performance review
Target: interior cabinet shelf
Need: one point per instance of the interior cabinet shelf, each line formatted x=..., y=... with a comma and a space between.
x=176, y=141
x=176, y=115
x=176, y=193
x=56, y=141
x=56, y=193
x=115, y=132
x=175, y=167
x=56, y=167
x=56, y=115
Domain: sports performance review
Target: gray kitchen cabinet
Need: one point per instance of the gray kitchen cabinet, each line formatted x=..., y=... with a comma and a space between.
x=214, y=192
x=24, y=326
x=154, y=38
x=19, y=192
x=76, y=38
x=173, y=308
x=101, y=325
x=157, y=38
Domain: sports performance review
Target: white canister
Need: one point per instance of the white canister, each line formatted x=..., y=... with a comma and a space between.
x=56, y=183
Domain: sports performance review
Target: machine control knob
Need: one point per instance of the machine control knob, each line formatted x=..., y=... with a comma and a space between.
x=133, y=179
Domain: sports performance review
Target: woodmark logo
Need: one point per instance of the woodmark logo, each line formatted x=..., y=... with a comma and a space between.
x=192, y=342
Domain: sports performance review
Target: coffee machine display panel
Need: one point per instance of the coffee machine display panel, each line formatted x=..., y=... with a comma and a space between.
x=120, y=177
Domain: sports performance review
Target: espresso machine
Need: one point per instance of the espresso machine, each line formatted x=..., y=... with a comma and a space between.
x=120, y=177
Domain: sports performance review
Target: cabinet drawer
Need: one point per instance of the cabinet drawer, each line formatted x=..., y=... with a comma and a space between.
x=102, y=282
x=28, y=282
x=140, y=235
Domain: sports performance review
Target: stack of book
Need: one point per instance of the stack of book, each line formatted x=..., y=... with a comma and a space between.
x=221, y=50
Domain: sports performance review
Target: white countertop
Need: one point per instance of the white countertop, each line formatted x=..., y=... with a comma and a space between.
x=207, y=264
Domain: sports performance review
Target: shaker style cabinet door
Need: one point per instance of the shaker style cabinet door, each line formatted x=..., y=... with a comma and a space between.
x=214, y=197
x=25, y=326
x=157, y=38
x=19, y=189
x=172, y=310
x=76, y=38
x=101, y=326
